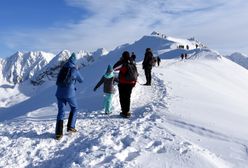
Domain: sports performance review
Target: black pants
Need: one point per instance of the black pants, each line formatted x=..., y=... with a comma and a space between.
x=148, y=73
x=125, y=91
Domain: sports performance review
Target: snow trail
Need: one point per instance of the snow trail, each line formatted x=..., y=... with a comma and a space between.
x=106, y=141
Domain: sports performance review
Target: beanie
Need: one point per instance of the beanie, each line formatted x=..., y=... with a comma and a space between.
x=109, y=69
x=73, y=56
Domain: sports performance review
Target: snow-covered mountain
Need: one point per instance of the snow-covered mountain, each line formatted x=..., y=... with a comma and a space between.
x=194, y=114
x=51, y=70
x=239, y=58
x=39, y=66
x=22, y=66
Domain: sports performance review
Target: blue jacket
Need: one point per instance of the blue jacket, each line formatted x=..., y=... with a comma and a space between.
x=70, y=90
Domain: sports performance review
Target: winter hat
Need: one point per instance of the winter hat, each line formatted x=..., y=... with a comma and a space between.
x=126, y=55
x=73, y=58
x=109, y=69
x=148, y=50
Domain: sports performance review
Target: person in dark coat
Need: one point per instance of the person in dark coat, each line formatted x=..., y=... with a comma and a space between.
x=67, y=94
x=147, y=66
x=158, y=60
x=182, y=56
x=108, y=80
x=133, y=57
x=125, y=86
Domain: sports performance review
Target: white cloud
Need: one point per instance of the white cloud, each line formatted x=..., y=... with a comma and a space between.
x=221, y=24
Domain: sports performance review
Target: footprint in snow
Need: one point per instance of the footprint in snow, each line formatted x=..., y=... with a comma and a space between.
x=156, y=147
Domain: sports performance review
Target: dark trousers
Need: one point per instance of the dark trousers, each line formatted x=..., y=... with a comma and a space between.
x=148, y=73
x=125, y=91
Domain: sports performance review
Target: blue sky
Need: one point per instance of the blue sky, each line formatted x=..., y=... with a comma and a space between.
x=54, y=25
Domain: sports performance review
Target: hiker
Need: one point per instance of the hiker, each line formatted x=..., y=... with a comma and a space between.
x=158, y=60
x=66, y=93
x=186, y=56
x=133, y=56
x=125, y=85
x=187, y=46
x=108, y=80
x=182, y=56
x=147, y=65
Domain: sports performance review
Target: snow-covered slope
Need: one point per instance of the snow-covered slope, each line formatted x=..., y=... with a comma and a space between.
x=194, y=115
x=239, y=58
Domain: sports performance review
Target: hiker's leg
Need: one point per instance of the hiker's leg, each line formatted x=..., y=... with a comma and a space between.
x=107, y=102
x=61, y=108
x=121, y=88
x=73, y=113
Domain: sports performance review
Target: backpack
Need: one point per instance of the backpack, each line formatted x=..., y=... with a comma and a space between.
x=132, y=73
x=153, y=61
x=64, y=77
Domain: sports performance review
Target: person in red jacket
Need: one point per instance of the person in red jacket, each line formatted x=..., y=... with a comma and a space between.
x=125, y=86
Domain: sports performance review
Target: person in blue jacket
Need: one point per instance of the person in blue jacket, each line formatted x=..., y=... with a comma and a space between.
x=67, y=94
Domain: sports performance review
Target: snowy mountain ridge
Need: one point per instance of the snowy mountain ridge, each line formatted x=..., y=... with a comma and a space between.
x=193, y=115
x=34, y=66
x=239, y=58
x=39, y=67
x=22, y=66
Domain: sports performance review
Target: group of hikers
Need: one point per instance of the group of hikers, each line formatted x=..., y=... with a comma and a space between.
x=127, y=78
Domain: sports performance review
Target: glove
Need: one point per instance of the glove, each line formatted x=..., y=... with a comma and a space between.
x=94, y=89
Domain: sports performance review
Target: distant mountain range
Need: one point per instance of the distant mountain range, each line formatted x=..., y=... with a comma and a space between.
x=239, y=58
x=40, y=66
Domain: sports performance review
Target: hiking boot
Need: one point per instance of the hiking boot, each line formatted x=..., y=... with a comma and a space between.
x=71, y=129
x=147, y=84
x=127, y=115
x=108, y=112
x=58, y=137
x=59, y=129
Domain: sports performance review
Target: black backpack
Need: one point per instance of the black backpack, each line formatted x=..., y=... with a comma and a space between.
x=153, y=61
x=64, y=77
x=132, y=73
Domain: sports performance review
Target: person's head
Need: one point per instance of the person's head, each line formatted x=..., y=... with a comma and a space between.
x=109, y=69
x=125, y=56
x=132, y=53
x=148, y=50
x=73, y=58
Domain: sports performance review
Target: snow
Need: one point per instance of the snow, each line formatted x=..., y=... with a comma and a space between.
x=194, y=115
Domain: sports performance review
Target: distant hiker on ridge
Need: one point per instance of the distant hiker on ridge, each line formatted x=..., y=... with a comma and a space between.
x=182, y=56
x=133, y=56
x=108, y=80
x=66, y=93
x=127, y=79
x=147, y=65
x=158, y=60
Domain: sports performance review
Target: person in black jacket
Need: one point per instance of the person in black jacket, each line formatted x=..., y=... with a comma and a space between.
x=147, y=66
x=158, y=60
x=125, y=86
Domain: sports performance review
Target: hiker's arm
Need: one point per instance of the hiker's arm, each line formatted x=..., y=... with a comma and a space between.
x=117, y=65
x=99, y=83
x=79, y=77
